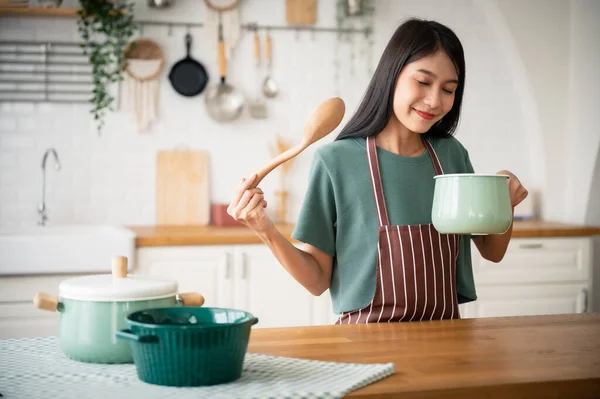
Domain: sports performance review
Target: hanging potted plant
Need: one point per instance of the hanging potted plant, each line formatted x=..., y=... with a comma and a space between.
x=106, y=27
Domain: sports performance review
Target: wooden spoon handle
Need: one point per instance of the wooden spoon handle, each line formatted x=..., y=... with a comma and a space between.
x=257, y=48
x=268, y=48
x=275, y=162
x=221, y=55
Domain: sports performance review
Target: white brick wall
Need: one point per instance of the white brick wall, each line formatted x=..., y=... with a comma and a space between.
x=110, y=179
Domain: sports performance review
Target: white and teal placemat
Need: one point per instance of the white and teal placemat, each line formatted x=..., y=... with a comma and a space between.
x=33, y=368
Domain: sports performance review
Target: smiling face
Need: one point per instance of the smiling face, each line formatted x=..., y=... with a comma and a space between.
x=424, y=92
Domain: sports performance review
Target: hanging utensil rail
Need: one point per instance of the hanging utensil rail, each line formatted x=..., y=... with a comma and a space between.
x=254, y=26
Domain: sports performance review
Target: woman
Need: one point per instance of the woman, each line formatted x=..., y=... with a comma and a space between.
x=366, y=216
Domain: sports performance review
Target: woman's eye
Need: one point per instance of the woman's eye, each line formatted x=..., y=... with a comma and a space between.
x=422, y=83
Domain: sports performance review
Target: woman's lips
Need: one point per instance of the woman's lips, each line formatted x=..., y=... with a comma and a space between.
x=425, y=115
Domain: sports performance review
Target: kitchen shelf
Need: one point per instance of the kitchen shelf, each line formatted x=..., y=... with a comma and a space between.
x=72, y=12
x=37, y=12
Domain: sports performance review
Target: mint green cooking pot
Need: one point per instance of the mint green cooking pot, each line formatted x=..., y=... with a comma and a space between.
x=94, y=307
x=471, y=203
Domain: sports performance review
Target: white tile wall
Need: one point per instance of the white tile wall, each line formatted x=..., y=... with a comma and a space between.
x=110, y=179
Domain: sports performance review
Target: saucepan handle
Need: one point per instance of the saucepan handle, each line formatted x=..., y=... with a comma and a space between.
x=131, y=336
x=191, y=299
x=47, y=302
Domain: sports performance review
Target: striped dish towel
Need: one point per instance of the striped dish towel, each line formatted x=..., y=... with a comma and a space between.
x=35, y=368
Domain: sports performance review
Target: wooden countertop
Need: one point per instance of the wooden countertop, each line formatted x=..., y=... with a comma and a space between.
x=156, y=236
x=533, y=356
x=539, y=228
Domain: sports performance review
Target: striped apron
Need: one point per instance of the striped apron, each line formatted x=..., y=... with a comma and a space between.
x=416, y=265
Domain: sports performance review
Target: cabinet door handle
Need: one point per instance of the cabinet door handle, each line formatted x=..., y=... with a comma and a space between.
x=244, y=267
x=531, y=246
x=227, y=267
x=582, y=301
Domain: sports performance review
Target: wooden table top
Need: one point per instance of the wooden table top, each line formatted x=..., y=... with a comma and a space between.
x=154, y=236
x=514, y=357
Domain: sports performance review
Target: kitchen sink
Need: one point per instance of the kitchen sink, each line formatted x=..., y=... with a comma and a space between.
x=64, y=249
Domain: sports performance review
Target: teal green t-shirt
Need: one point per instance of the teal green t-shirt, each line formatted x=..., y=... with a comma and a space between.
x=339, y=217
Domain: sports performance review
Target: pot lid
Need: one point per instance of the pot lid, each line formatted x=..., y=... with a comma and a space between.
x=117, y=287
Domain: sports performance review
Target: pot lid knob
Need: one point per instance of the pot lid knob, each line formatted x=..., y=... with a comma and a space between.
x=119, y=267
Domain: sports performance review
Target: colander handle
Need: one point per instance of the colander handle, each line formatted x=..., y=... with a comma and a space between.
x=255, y=321
x=130, y=336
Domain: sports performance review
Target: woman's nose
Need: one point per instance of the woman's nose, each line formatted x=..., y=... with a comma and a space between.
x=432, y=99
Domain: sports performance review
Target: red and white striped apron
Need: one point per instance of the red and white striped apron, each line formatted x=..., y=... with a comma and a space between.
x=416, y=265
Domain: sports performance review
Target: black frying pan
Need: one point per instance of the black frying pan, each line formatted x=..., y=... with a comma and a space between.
x=188, y=77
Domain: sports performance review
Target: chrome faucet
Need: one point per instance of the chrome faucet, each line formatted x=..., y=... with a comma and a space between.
x=42, y=206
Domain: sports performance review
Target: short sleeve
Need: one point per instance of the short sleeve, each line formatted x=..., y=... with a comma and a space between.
x=317, y=219
x=469, y=166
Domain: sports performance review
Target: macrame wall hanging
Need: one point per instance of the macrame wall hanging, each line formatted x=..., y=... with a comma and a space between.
x=144, y=63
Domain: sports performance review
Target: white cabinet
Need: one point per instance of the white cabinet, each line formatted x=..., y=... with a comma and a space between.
x=264, y=288
x=19, y=318
x=246, y=277
x=323, y=310
x=526, y=300
x=235, y=276
x=203, y=269
x=527, y=260
x=23, y=320
x=537, y=276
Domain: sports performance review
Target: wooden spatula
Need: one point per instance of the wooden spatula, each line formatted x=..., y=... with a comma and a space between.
x=322, y=121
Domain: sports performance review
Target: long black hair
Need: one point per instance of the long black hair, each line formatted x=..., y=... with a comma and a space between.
x=413, y=40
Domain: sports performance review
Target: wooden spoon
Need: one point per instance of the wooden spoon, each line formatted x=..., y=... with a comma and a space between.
x=323, y=120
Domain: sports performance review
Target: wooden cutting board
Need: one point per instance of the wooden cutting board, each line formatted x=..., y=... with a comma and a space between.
x=182, y=188
x=301, y=12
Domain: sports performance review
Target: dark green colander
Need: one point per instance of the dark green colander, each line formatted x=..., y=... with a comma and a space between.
x=188, y=346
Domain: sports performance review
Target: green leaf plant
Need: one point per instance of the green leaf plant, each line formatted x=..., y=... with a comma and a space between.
x=105, y=26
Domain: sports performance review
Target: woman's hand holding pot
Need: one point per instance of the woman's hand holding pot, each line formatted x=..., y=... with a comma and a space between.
x=515, y=189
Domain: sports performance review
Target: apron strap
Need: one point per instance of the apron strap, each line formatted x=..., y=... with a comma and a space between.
x=382, y=215
x=434, y=158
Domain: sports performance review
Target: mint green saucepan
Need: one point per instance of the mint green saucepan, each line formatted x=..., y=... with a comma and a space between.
x=94, y=307
x=471, y=203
